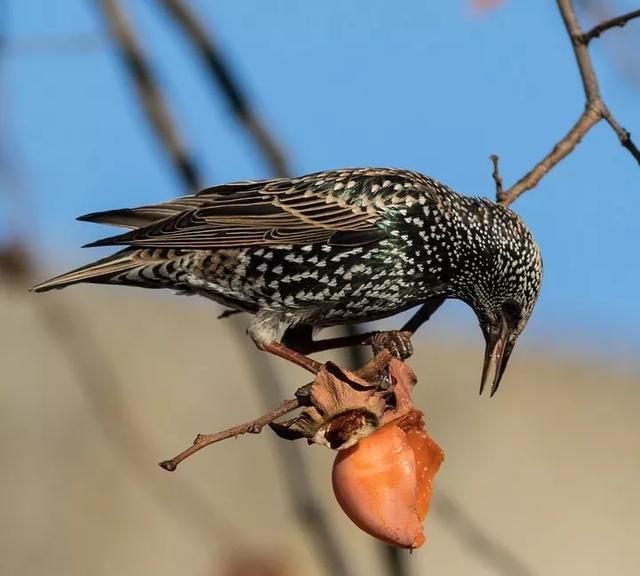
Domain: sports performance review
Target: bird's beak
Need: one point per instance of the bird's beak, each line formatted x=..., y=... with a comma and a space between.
x=496, y=356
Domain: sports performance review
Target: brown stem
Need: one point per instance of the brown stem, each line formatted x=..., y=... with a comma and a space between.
x=623, y=135
x=372, y=368
x=618, y=21
x=495, y=159
x=595, y=109
x=366, y=372
x=563, y=148
x=252, y=427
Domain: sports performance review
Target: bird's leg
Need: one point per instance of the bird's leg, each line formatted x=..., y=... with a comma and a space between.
x=291, y=355
x=396, y=341
x=266, y=331
x=300, y=338
x=299, y=341
x=422, y=315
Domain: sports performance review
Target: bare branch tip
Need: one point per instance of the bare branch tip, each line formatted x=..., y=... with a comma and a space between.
x=598, y=29
x=168, y=465
x=623, y=134
x=495, y=160
x=252, y=427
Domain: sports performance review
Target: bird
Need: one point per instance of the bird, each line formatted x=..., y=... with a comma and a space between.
x=328, y=248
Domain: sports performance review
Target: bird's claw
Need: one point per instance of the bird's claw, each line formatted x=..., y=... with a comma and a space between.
x=396, y=341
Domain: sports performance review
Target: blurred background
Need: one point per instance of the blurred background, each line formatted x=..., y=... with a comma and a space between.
x=107, y=104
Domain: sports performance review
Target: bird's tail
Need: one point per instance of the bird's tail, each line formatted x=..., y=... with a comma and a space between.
x=102, y=271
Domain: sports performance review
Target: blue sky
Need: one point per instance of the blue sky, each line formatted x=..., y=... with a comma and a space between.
x=421, y=85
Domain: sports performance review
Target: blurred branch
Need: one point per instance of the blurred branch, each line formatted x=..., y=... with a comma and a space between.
x=99, y=383
x=150, y=95
x=619, y=21
x=224, y=77
x=95, y=374
x=299, y=486
x=301, y=490
x=595, y=111
x=15, y=263
x=501, y=559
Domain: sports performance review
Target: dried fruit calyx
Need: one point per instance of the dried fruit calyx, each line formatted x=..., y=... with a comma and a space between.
x=383, y=471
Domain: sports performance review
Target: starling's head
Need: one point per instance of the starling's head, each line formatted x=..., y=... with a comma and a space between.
x=502, y=285
x=501, y=325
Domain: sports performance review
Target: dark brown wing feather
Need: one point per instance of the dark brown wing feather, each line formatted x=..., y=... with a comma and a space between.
x=249, y=214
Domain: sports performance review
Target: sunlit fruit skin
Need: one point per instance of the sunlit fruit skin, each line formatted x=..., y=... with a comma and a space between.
x=383, y=483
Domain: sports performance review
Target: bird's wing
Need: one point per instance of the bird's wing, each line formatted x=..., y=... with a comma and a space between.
x=341, y=207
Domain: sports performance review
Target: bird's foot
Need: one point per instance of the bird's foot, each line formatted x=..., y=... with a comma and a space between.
x=396, y=341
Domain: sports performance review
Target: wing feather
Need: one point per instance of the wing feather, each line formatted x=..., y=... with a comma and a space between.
x=344, y=207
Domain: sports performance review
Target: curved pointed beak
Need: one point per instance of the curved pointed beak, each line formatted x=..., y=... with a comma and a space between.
x=496, y=356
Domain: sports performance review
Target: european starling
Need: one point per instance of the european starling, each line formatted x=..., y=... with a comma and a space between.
x=335, y=247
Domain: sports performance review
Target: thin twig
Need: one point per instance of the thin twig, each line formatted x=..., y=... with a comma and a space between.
x=370, y=370
x=623, y=135
x=618, y=21
x=150, y=95
x=595, y=110
x=223, y=76
x=563, y=148
x=495, y=159
x=252, y=427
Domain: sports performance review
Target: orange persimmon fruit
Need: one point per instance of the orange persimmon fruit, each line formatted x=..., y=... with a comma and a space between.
x=383, y=483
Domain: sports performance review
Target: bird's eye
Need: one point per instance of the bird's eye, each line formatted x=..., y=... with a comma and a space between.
x=511, y=310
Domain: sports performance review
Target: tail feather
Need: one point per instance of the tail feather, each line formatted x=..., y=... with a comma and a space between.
x=144, y=215
x=126, y=218
x=99, y=272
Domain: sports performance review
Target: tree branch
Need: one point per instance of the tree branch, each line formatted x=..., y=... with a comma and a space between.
x=619, y=21
x=477, y=539
x=563, y=148
x=299, y=485
x=304, y=502
x=495, y=160
x=150, y=95
x=595, y=109
x=252, y=427
x=367, y=372
x=623, y=135
x=222, y=74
